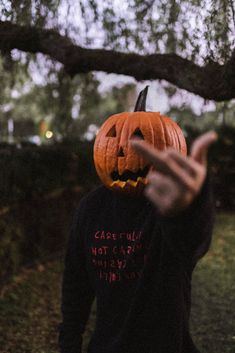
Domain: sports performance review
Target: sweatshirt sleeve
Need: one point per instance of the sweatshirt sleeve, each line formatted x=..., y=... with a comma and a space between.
x=189, y=233
x=77, y=293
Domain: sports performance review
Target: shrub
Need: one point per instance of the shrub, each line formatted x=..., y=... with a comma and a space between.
x=30, y=172
x=221, y=165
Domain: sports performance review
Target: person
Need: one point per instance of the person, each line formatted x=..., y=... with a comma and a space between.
x=136, y=256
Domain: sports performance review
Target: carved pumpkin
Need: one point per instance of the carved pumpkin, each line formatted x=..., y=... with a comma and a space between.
x=117, y=164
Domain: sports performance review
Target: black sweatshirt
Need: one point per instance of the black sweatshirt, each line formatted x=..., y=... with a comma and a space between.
x=139, y=266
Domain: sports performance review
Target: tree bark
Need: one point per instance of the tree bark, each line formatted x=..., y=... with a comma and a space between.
x=212, y=81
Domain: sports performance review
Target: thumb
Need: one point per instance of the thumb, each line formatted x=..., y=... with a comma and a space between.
x=201, y=145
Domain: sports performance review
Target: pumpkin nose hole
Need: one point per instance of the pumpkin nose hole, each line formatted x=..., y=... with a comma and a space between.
x=120, y=152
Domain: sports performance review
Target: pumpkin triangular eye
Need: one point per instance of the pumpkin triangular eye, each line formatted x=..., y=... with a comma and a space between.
x=137, y=133
x=112, y=132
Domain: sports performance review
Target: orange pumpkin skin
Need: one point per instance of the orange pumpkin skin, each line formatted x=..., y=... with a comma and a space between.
x=114, y=156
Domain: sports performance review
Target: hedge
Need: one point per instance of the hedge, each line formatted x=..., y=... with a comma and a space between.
x=221, y=165
x=30, y=172
x=40, y=188
x=35, y=230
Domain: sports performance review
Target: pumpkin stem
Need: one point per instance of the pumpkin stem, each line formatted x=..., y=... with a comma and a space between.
x=141, y=101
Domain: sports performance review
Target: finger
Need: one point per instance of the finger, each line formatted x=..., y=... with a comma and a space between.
x=187, y=163
x=200, y=146
x=157, y=200
x=164, y=164
x=157, y=159
x=181, y=178
x=167, y=195
x=170, y=192
x=164, y=185
x=162, y=192
x=148, y=152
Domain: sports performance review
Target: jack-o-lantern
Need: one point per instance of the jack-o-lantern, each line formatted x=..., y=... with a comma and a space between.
x=117, y=164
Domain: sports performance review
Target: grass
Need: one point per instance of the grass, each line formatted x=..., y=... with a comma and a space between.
x=30, y=311
x=30, y=306
x=213, y=310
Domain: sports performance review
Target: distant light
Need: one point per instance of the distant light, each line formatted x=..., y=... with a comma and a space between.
x=35, y=139
x=10, y=125
x=88, y=136
x=15, y=93
x=49, y=134
x=91, y=132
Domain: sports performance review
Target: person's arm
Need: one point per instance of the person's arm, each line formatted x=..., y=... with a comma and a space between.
x=77, y=294
x=178, y=187
x=189, y=233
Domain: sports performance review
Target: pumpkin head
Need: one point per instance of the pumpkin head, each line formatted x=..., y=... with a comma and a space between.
x=117, y=164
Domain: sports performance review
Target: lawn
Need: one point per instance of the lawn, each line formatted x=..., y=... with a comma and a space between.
x=213, y=311
x=30, y=305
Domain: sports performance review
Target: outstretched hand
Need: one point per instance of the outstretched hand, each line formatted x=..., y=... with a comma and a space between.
x=175, y=180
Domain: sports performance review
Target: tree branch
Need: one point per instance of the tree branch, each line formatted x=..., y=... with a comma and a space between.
x=212, y=81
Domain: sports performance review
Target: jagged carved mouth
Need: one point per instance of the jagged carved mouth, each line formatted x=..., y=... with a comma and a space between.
x=129, y=175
